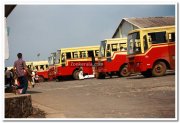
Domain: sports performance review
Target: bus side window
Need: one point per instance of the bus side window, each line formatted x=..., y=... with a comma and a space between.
x=68, y=55
x=82, y=54
x=75, y=54
x=47, y=66
x=171, y=37
x=108, y=46
x=108, y=52
x=96, y=52
x=158, y=37
x=123, y=47
x=41, y=67
x=63, y=57
x=145, y=43
x=91, y=54
x=114, y=47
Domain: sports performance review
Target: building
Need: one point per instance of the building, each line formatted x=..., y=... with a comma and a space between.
x=128, y=24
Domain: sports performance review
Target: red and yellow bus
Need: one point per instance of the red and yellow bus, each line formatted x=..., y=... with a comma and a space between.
x=151, y=51
x=112, y=58
x=69, y=61
x=49, y=73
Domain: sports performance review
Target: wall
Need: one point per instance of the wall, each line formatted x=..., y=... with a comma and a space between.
x=18, y=106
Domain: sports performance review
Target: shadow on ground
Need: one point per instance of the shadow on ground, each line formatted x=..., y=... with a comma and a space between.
x=33, y=92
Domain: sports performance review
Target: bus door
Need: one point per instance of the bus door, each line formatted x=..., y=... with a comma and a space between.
x=171, y=38
x=108, y=53
x=63, y=59
x=91, y=54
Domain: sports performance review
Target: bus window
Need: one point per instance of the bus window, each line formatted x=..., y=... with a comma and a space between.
x=90, y=53
x=96, y=52
x=171, y=37
x=47, y=66
x=57, y=57
x=36, y=67
x=145, y=43
x=134, y=43
x=68, y=55
x=108, y=52
x=123, y=46
x=108, y=46
x=82, y=54
x=114, y=47
x=137, y=47
x=41, y=67
x=75, y=54
x=102, y=48
x=63, y=57
x=157, y=37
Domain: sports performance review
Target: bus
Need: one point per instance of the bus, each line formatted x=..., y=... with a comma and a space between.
x=48, y=73
x=69, y=61
x=112, y=58
x=151, y=51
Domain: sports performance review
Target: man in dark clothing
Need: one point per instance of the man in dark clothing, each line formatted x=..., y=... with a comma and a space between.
x=20, y=70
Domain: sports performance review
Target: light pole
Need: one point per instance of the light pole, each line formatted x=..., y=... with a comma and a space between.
x=38, y=56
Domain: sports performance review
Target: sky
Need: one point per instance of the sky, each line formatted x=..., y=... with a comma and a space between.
x=44, y=29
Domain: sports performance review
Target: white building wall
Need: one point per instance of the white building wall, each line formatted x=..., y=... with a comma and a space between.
x=124, y=29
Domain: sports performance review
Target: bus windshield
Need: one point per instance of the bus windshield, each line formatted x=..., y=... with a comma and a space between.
x=134, y=45
x=51, y=60
x=102, y=48
x=57, y=57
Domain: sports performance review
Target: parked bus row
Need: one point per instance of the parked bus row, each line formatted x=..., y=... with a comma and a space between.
x=149, y=51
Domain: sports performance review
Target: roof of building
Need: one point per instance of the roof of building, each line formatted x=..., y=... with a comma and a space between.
x=149, y=22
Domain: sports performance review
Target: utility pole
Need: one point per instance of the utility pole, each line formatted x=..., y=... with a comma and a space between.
x=38, y=56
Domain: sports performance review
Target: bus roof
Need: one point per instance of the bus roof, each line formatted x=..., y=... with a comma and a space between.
x=81, y=48
x=152, y=28
x=37, y=62
x=40, y=62
x=116, y=40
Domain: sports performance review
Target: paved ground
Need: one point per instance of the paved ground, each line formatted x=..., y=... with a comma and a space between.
x=131, y=97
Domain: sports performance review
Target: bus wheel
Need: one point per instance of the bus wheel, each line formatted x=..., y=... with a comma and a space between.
x=147, y=73
x=101, y=76
x=76, y=74
x=41, y=79
x=159, y=69
x=123, y=72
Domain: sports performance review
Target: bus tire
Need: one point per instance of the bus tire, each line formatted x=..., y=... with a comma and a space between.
x=76, y=74
x=123, y=71
x=159, y=69
x=41, y=79
x=147, y=73
x=101, y=76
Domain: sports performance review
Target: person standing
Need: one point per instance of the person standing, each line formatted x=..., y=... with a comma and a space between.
x=20, y=68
